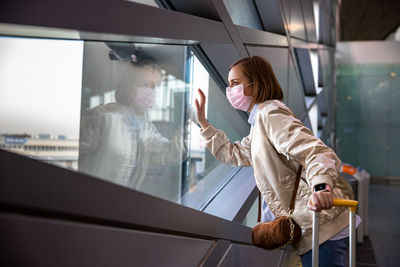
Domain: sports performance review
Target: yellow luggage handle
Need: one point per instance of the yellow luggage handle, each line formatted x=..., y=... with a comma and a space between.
x=352, y=204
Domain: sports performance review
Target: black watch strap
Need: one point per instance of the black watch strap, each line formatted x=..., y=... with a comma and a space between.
x=319, y=187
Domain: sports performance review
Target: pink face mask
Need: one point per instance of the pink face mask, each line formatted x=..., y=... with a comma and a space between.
x=144, y=99
x=237, y=98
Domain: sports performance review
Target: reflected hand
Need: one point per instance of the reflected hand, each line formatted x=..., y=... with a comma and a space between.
x=201, y=110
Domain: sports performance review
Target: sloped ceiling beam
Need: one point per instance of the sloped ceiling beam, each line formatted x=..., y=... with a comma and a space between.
x=368, y=19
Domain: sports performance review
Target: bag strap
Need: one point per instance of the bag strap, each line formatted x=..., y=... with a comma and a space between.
x=296, y=186
x=259, y=207
x=292, y=201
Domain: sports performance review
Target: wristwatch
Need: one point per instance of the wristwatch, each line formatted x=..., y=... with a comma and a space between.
x=320, y=187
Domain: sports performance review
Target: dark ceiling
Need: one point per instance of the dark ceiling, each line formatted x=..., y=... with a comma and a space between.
x=369, y=19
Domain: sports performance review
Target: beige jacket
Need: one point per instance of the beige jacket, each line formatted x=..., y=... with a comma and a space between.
x=276, y=146
x=118, y=145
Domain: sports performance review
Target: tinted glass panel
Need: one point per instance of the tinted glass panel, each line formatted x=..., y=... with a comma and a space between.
x=122, y=112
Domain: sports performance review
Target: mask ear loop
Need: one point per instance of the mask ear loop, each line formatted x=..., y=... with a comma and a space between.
x=243, y=85
x=248, y=84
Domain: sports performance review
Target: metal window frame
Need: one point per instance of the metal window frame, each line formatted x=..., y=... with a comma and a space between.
x=113, y=20
x=59, y=193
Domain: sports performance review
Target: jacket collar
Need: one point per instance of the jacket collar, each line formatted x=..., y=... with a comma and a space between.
x=252, y=117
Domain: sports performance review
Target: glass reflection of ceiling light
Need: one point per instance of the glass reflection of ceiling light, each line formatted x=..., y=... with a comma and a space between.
x=393, y=74
x=316, y=17
x=294, y=26
x=145, y=2
x=313, y=115
x=314, y=66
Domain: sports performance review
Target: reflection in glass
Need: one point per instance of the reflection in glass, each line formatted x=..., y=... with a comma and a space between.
x=121, y=112
x=131, y=133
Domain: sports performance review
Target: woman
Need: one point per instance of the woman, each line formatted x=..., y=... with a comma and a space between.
x=277, y=145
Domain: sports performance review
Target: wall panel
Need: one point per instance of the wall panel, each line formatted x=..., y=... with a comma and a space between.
x=240, y=255
x=28, y=241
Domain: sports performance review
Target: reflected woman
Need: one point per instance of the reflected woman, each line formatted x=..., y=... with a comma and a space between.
x=118, y=142
x=278, y=144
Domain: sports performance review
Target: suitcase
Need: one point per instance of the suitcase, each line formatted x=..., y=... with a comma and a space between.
x=352, y=204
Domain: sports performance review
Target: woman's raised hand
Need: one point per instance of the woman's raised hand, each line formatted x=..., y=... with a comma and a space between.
x=201, y=109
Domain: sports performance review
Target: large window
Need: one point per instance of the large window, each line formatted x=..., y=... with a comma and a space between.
x=122, y=112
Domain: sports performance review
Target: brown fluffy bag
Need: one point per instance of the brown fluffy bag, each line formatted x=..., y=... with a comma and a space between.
x=280, y=232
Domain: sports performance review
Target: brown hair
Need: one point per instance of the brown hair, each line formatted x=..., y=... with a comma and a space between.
x=259, y=71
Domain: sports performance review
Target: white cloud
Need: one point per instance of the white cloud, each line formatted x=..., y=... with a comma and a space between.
x=40, y=86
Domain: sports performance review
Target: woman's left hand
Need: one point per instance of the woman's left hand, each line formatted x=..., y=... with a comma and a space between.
x=201, y=110
x=320, y=200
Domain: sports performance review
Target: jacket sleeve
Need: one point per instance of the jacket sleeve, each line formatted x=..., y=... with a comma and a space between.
x=106, y=146
x=234, y=154
x=291, y=138
x=162, y=150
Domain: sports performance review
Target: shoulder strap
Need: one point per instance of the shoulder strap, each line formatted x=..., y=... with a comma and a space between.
x=259, y=207
x=296, y=186
x=292, y=201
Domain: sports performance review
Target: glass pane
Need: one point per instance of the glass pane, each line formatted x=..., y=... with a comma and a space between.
x=251, y=218
x=367, y=103
x=294, y=93
x=348, y=142
x=40, y=97
x=243, y=13
x=394, y=101
x=374, y=69
x=394, y=154
x=132, y=121
x=121, y=112
x=373, y=153
x=374, y=92
x=294, y=18
x=348, y=100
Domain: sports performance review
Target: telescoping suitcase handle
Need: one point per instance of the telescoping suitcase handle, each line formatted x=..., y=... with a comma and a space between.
x=352, y=204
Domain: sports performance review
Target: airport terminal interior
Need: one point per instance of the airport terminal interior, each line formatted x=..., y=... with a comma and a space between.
x=103, y=162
